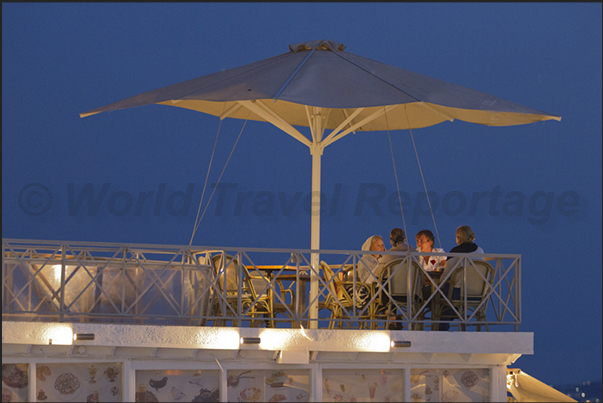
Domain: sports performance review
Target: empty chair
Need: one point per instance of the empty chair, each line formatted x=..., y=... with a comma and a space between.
x=256, y=295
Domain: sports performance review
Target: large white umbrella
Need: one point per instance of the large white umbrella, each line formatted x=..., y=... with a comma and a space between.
x=319, y=85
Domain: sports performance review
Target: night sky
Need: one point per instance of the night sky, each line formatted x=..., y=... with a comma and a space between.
x=541, y=182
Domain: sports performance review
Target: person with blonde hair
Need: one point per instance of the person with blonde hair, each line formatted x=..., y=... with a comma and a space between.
x=369, y=261
x=464, y=241
x=465, y=234
x=366, y=266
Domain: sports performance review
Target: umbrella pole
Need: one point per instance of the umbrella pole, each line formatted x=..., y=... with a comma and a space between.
x=316, y=151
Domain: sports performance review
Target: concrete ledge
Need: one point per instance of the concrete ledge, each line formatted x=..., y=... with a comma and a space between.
x=223, y=338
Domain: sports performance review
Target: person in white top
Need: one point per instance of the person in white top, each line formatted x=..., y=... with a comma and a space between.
x=369, y=261
x=425, y=241
x=366, y=268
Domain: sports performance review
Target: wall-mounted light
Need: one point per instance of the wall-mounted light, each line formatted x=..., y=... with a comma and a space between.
x=250, y=340
x=83, y=336
x=396, y=343
x=60, y=334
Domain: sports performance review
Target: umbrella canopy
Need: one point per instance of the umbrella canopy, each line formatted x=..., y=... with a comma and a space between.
x=319, y=85
x=322, y=74
x=526, y=388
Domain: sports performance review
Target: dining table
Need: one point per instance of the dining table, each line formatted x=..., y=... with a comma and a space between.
x=296, y=276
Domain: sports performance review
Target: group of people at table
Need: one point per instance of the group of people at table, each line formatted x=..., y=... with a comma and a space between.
x=371, y=265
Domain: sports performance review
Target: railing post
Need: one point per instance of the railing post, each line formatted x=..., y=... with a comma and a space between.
x=518, y=295
x=410, y=297
x=4, y=274
x=464, y=314
x=124, y=256
x=497, y=271
x=62, y=286
x=298, y=321
x=239, y=287
x=182, y=288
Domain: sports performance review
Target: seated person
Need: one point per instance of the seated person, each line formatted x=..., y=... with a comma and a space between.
x=369, y=262
x=397, y=238
x=464, y=240
x=366, y=266
x=425, y=242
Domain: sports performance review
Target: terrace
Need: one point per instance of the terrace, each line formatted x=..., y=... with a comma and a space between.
x=55, y=281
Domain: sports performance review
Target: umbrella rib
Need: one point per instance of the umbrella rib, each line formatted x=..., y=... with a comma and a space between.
x=369, y=118
x=230, y=111
x=345, y=112
x=175, y=99
x=226, y=79
x=265, y=112
x=435, y=110
x=310, y=122
x=327, y=140
x=374, y=75
x=292, y=75
x=428, y=105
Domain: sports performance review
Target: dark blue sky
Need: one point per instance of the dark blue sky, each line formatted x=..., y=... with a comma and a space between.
x=59, y=60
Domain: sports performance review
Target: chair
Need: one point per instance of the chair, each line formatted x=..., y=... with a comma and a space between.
x=480, y=280
x=254, y=303
x=340, y=302
x=398, y=289
x=284, y=300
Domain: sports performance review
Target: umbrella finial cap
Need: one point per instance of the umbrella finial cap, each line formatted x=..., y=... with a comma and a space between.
x=318, y=45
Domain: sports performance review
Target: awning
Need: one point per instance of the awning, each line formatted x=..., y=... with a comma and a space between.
x=525, y=388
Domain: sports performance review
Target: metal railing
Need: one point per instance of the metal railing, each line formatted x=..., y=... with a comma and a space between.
x=198, y=286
